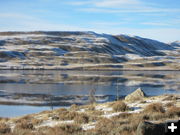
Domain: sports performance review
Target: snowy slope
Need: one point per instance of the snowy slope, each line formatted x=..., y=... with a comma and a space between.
x=88, y=50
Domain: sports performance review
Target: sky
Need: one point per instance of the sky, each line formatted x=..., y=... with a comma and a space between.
x=155, y=19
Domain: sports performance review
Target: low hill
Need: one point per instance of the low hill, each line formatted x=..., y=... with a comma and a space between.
x=85, y=50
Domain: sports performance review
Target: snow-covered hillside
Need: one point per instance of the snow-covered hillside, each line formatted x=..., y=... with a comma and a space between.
x=87, y=50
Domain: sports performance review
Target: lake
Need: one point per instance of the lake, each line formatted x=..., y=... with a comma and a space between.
x=31, y=91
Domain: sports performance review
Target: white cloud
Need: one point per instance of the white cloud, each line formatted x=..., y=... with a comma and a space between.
x=22, y=22
x=99, y=23
x=116, y=3
x=15, y=16
x=140, y=10
x=107, y=3
x=121, y=6
x=156, y=24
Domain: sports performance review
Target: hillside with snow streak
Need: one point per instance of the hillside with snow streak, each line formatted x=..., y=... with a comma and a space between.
x=85, y=50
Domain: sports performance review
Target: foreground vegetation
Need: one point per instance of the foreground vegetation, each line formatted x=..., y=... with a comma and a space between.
x=113, y=118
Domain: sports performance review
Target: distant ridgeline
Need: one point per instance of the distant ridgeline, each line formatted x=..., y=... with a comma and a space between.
x=85, y=50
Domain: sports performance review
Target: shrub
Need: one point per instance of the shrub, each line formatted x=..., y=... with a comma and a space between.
x=4, y=128
x=119, y=106
x=70, y=128
x=68, y=115
x=113, y=127
x=65, y=129
x=157, y=116
x=81, y=118
x=36, y=121
x=104, y=126
x=170, y=97
x=170, y=104
x=24, y=119
x=173, y=111
x=91, y=107
x=123, y=116
x=19, y=131
x=74, y=107
x=60, y=110
x=25, y=125
x=154, y=107
x=96, y=112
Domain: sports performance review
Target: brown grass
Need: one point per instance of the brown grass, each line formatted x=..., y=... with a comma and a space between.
x=36, y=121
x=170, y=97
x=65, y=129
x=91, y=107
x=173, y=111
x=170, y=104
x=122, y=124
x=115, y=126
x=23, y=119
x=81, y=118
x=68, y=115
x=19, y=131
x=24, y=125
x=70, y=128
x=154, y=107
x=4, y=128
x=74, y=107
x=120, y=106
x=60, y=110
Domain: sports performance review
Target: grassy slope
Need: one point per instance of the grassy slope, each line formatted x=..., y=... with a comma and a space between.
x=119, y=117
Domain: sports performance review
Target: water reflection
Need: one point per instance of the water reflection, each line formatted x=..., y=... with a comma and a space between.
x=43, y=89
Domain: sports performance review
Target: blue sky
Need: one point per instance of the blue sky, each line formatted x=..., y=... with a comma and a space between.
x=156, y=19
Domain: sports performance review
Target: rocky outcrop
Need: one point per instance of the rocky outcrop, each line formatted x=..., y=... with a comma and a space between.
x=136, y=95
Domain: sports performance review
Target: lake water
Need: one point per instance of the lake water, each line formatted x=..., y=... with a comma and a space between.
x=30, y=91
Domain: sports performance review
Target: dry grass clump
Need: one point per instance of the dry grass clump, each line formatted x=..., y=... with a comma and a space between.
x=134, y=120
x=74, y=107
x=123, y=116
x=77, y=117
x=4, y=119
x=50, y=131
x=170, y=104
x=143, y=102
x=65, y=129
x=70, y=128
x=24, y=125
x=81, y=118
x=68, y=115
x=60, y=110
x=157, y=116
x=19, y=131
x=4, y=128
x=115, y=127
x=104, y=126
x=96, y=112
x=173, y=111
x=45, y=112
x=23, y=119
x=120, y=106
x=91, y=108
x=170, y=97
x=154, y=107
x=36, y=121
